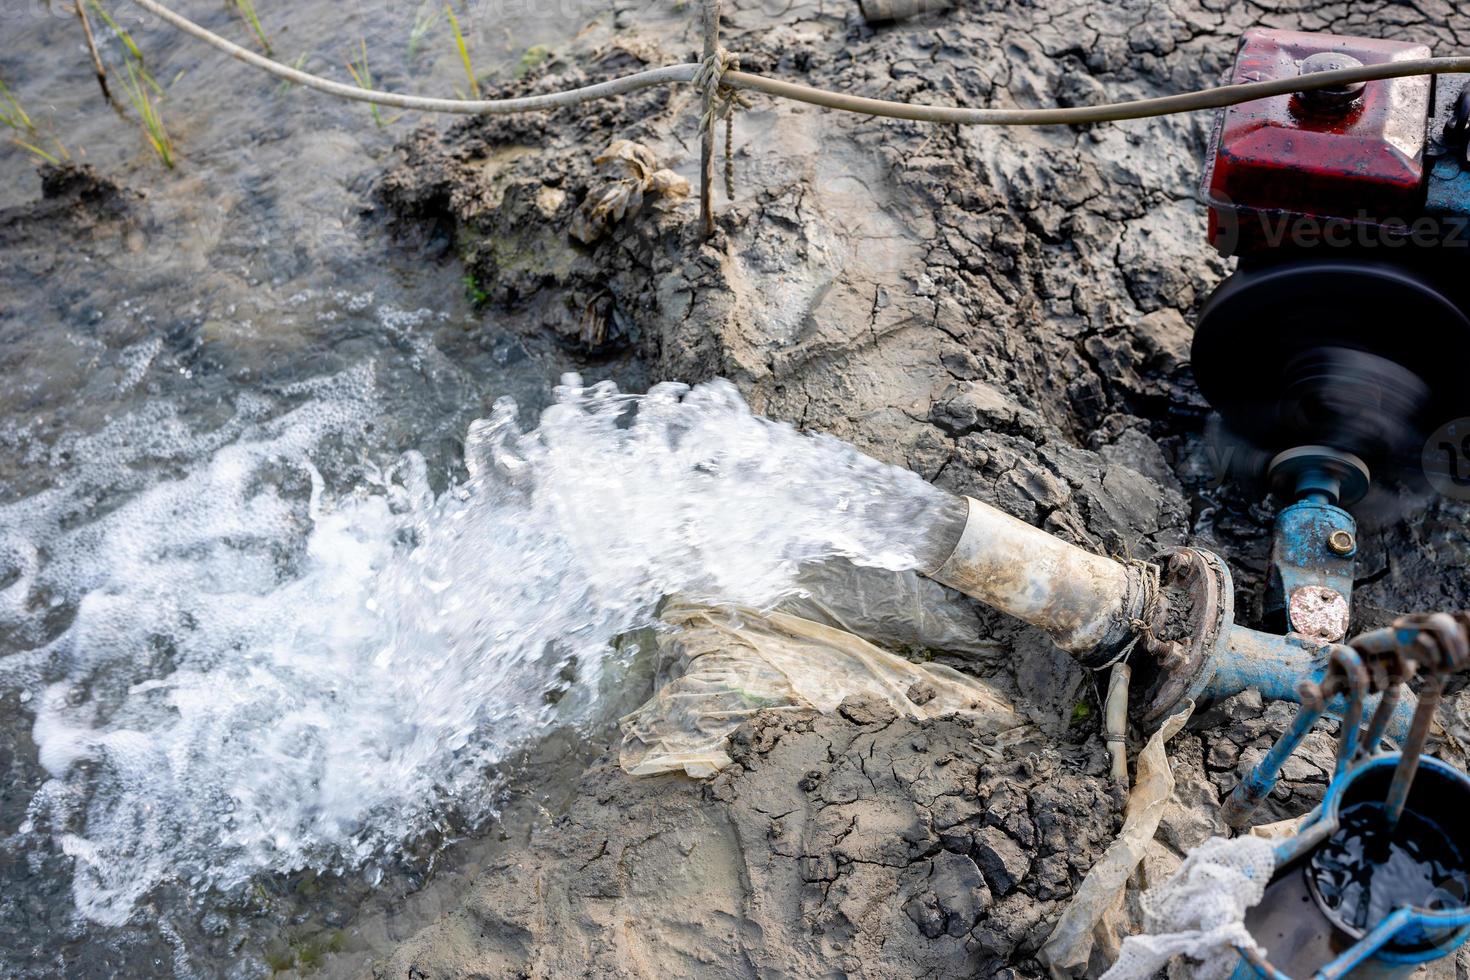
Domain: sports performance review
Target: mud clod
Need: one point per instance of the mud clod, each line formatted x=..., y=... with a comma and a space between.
x=879, y=857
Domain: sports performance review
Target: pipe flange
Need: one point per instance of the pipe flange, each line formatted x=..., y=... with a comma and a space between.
x=1176, y=654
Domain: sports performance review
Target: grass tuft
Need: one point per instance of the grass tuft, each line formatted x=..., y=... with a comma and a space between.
x=12, y=113
x=247, y=11
x=464, y=52
x=139, y=85
x=362, y=74
x=474, y=291
x=286, y=84
x=13, y=116
x=423, y=22
x=532, y=59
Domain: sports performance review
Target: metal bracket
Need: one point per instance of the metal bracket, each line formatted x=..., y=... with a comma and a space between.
x=1312, y=567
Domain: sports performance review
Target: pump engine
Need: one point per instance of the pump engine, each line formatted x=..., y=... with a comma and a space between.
x=1342, y=340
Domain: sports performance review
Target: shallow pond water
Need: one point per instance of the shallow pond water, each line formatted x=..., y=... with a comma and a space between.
x=246, y=298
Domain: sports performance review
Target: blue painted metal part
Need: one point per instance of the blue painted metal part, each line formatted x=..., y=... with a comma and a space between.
x=1369, y=947
x=1448, y=188
x=1301, y=557
x=1271, y=664
x=1352, y=717
x=1274, y=665
x=1259, y=782
x=1441, y=932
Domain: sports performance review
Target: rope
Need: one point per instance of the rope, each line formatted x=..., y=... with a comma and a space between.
x=1210, y=98
x=729, y=157
x=1142, y=624
x=720, y=97
x=720, y=102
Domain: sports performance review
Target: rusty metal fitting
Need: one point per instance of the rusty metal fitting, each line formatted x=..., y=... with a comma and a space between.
x=1342, y=542
x=1311, y=695
x=1196, y=609
x=1338, y=97
x=1436, y=644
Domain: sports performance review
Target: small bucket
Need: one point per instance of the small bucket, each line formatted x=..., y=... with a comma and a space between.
x=1304, y=936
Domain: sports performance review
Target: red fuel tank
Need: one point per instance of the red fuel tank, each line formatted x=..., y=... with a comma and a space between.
x=1312, y=162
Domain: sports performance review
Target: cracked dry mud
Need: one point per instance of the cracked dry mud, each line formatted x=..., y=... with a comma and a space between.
x=855, y=843
x=1007, y=312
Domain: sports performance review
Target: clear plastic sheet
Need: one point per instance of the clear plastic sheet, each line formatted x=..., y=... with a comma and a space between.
x=720, y=665
x=898, y=611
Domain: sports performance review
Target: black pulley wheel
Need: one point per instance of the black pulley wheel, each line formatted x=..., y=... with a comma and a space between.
x=1363, y=356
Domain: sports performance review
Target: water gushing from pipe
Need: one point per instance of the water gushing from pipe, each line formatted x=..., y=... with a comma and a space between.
x=241, y=670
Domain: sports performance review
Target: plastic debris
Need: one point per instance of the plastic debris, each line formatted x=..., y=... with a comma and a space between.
x=630, y=173
x=1200, y=912
x=897, y=611
x=1069, y=948
x=719, y=665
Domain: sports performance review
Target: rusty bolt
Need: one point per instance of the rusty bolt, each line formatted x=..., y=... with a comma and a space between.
x=1172, y=656
x=1341, y=542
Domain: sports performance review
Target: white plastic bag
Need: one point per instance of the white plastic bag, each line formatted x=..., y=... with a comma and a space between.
x=719, y=665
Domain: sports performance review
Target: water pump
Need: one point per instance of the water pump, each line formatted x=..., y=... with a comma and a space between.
x=1330, y=354
x=1339, y=343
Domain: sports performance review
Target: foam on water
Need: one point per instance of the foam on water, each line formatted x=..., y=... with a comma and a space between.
x=258, y=680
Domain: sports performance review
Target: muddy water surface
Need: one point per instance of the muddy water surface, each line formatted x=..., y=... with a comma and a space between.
x=244, y=299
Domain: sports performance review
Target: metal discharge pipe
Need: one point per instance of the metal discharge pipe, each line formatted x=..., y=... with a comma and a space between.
x=1086, y=602
x=1089, y=604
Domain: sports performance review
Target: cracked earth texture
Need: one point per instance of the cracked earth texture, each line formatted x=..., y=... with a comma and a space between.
x=1007, y=312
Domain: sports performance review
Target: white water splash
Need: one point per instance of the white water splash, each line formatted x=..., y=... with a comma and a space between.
x=256, y=683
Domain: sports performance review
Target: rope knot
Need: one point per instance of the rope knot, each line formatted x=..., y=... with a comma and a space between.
x=720, y=99
x=720, y=102
x=1142, y=625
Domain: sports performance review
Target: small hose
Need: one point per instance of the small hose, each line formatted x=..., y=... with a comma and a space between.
x=1115, y=721
x=1211, y=98
x=529, y=103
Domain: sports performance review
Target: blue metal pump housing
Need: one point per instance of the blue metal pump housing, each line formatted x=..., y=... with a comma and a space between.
x=1310, y=589
x=1197, y=652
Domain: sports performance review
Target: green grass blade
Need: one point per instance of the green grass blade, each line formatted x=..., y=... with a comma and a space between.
x=464, y=52
x=137, y=90
x=247, y=11
x=122, y=35
x=362, y=74
x=288, y=85
x=37, y=151
x=14, y=114
x=423, y=23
